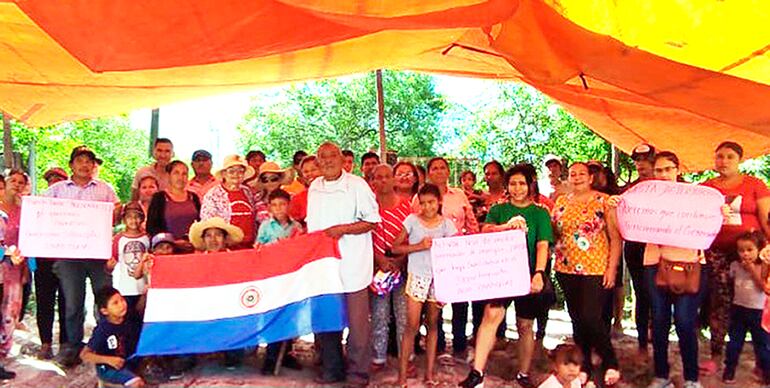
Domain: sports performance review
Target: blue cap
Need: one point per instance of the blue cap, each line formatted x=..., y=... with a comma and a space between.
x=201, y=154
x=162, y=238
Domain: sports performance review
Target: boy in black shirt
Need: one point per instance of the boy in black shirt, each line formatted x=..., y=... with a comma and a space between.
x=113, y=340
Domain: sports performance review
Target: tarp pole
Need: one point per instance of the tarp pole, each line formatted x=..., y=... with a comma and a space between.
x=7, y=142
x=381, y=116
x=154, y=122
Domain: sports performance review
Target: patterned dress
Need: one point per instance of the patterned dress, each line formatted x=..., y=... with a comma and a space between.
x=583, y=247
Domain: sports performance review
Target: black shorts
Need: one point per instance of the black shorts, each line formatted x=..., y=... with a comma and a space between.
x=530, y=306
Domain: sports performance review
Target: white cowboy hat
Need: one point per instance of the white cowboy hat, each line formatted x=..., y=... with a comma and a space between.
x=234, y=234
x=235, y=160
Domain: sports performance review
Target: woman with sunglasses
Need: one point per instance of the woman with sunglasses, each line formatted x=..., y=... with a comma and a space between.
x=270, y=178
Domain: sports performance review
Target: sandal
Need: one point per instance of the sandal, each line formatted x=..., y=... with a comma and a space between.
x=431, y=383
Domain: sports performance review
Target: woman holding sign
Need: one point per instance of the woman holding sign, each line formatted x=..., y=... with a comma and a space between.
x=520, y=212
x=749, y=202
x=586, y=260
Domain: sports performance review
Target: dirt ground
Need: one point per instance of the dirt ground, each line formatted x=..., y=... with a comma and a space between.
x=33, y=373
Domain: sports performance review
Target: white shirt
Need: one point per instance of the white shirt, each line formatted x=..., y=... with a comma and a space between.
x=553, y=382
x=346, y=200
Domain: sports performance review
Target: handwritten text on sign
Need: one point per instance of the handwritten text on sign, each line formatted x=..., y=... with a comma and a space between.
x=670, y=213
x=480, y=266
x=65, y=228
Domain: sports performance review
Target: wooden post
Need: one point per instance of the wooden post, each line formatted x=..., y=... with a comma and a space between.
x=154, y=123
x=381, y=116
x=7, y=141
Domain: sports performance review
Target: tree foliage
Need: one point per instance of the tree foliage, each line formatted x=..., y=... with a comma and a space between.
x=345, y=111
x=122, y=148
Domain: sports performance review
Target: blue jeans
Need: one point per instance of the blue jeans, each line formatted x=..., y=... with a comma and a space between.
x=743, y=320
x=685, y=311
x=72, y=276
x=111, y=375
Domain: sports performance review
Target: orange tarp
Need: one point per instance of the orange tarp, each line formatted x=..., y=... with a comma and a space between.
x=683, y=75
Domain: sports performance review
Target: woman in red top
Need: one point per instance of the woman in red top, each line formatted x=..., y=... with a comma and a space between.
x=232, y=200
x=749, y=202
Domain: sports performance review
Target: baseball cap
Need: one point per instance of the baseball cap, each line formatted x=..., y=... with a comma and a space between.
x=548, y=159
x=132, y=207
x=643, y=151
x=55, y=171
x=162, y=238
x=82, y=150
x=201, y=154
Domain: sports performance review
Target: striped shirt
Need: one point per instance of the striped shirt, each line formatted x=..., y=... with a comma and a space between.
x=392, y=223
x=95, y=190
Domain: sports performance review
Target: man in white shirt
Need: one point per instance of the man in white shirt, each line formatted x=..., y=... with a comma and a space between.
x=343, y=205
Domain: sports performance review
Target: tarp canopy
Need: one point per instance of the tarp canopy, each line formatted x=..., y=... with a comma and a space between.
x=682, y=75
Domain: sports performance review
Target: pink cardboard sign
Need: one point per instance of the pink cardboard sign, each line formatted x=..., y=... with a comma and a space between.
x=669, y=213
x=65, y=228
x=480, y=266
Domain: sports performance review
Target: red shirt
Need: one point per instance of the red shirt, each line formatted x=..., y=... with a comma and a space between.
x=242, y=215
x=743, y=210
x=298, y=206
x=392, y=222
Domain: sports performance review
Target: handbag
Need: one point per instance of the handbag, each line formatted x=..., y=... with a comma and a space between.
x=678, y=277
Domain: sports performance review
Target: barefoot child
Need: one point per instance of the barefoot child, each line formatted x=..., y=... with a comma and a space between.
x=748, y=275
x=566, y=360
x=113, y=340
x=415, y=240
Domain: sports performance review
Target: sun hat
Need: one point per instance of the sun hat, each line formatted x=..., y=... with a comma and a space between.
x=286, y=176
x=235, y=160
x=234, y=234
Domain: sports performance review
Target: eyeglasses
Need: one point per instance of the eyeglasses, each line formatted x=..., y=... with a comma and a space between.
x=266, y=179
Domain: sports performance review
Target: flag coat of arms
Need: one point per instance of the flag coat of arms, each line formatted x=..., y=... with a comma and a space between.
x=209, y=302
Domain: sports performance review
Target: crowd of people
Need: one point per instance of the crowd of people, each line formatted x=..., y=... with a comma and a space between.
x=385, y=221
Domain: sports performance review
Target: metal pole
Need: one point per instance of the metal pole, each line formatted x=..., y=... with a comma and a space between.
x=7, y=141
x=381, y=115
x=154, y=123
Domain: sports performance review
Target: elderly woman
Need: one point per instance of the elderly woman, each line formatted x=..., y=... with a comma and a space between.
x=749, y=202
x=232, y=200
x=173, y=210
x=587, y=253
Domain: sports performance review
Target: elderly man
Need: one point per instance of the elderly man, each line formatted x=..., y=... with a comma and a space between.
x=72, y=273
x=162, y=152
x=203, y=180
x=344, y=207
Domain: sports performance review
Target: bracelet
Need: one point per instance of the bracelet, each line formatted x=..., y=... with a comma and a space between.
x=541, y=272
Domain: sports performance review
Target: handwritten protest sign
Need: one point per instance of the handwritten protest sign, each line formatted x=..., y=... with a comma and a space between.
x=480, y=266
x=670, y=213
x=65, y=228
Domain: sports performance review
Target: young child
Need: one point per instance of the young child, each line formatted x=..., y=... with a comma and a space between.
x=128, y=249
x=415, y=240
x=113, y=341
x=278, y=227
x=566, y=360
x=748, y=274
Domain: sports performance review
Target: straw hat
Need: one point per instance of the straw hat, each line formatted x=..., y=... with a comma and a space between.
x=234, y=233
x=235, y=160
x=272, y=167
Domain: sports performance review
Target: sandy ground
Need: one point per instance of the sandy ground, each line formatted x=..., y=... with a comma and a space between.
x=33, y=373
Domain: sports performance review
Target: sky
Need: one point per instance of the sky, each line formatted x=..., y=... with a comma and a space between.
x=210, y=123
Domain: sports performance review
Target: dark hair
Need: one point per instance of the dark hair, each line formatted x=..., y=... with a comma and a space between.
x=731, y=145
x=421, y=169
x=252, y=154
x=668, y=155
x=436, y=159
x=103, y=296
x=174, y=163
x=369, y=155
x=415, y=174
x=468, y=172
x=755, y=236
x=298, y=157
x=2, y=179
x=278, y=194
x=306, y=159
x=596, y=169
x=162, y=140
x=16, y=171
x=566, y=354
x=497, y=165
x=528, y=171
x=430, y=189
x=348, y=153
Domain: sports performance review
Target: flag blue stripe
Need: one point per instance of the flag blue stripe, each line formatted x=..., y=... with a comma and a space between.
x=318, y=314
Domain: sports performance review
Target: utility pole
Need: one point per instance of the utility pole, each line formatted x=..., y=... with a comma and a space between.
x=381, y=116
x=154, y=122
x=7, y=141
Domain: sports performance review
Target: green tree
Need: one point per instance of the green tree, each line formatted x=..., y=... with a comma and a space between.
x=345, y=111
x=122, y=148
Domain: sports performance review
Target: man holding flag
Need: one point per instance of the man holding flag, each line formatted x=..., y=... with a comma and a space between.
x=344, y=207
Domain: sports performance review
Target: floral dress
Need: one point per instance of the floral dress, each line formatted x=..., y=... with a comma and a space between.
x=583, y=246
